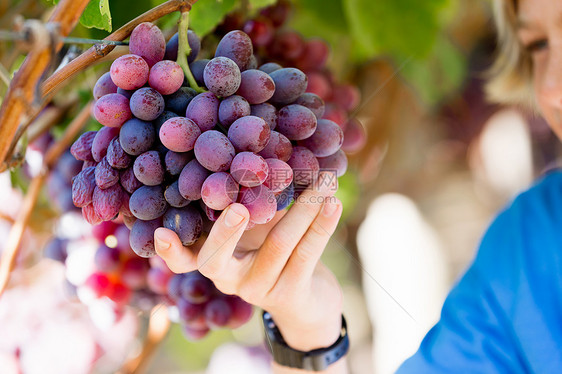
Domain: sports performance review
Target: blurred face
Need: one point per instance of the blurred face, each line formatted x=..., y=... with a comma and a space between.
x=540, y=32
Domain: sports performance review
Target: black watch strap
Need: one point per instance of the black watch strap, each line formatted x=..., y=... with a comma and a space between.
x=315, y=360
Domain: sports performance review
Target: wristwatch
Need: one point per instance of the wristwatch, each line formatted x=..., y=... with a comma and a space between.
x=315, y=360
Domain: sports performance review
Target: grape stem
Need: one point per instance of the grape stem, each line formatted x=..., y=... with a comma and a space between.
x=184, y=49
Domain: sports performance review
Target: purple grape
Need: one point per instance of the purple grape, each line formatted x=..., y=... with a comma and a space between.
x=197, y=68
x=174, y=286
x=312, y=102
x=175, y=161
x=128, y=180
x=68, y=166
x=249, y=169
x=116, y=156
x=355, y=137
x=148, y=42
x=104, y=86
x=82, y=147
x=134, y=272
x=158, y=122
x=172, y=47
x=88, y=164
x=166, y=77
x=194, y=334
x=267, y=112
x=125, y=209
x=204, y=111
x=185, y=222
x=211, y=214
x=233, y=108
x=278, y=147
x=112, y=110
x=136, y=136
x=148, y=168
x=270, y=67
x=101, y=141
x=129, y=72
x=141, y=238
x=83, y=187
x=285, y=197
x=157, y=280
x=178, y=101
x=179, y=134
x=126, y=93
x=217, y=313
x=147, y=104
x=222, y=76
x=148, y=202
x=219, y=191
x=326, y=140
x=241, y=311
x=260, y=202
x=290, y=83
x=188, y=311
x=256, y=86
x=196, y=289
x=173, y=196
x=237, y=46
x=214, y=151
x=90, y=215
x=249, y=133
x=107, y=202
x=279, y=175
x=191, y=180
x=107, y=259
x=337, y=162
x=56, y=249
x=105, y=175
x=296, y=122
x=305, y=165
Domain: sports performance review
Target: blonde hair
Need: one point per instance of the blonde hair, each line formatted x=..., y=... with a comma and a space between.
x=510, y=79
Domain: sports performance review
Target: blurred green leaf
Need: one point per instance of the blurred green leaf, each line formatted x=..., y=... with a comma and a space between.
x=257, y=4
x=207, y=14
x=97, y=15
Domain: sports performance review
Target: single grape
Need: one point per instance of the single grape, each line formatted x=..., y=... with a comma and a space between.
x=347, y=96
x=256, y=86
x=166, y=77
x=125, y=209
x=314, y=55
x=158, y=122
x=179, y=134
x=82, y=147
x=214, y=151
x=88, y=164
x=267, y=112
x=305, y=165
x=103, y=230
x=319, y=85
x=277, y=13
x=112, y=110
x=196, y=289
x=241, y=311
x=279, y=175
x=177, y=102
x=129, y=72
x=222, y=76
x=270, y=67
x=101, y=141
x=204, y=111
x=141, y=238
x=336, y=162
x=174, y=286
x=83, y=187
x=285, y=197
x=326, y=140
x=157, y=279
x=217, y=313
x=104, y=86
x=260, y=31
x=260, y=202
x=249, y=133
x=67, y=166
x=105, y=175
x=191, y=180
x=56, y=249
x=136, y=136
x=197, y=68
x=232, y=108
x=290, y=83
x=312, y=102
x=288, y=45
x=148, y=203
x=237, y=46
x=296, y=122
x=175, y=161
x=148, y=42
x=172, y=47
x=173, y=196
x=134, y=272
x=249, y=169
x=128, y=180
x=107, y=202
x=147, y=104
x=219, y=191
x=116, y=156
x=193, y=334
x=185, y=222
x=189, y=311
x=90, y=215
x=107, y=259
x=337, y=114
x=211, y=214
x=148, y=168
x=355, y=137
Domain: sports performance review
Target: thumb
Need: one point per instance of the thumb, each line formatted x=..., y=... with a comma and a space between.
x=168, y=246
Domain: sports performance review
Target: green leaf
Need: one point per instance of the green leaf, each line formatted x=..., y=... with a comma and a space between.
x=97, y=15
x=207, y=14
x=257, y=4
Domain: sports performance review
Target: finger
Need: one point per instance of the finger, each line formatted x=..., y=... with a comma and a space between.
x=284, y=237
x=168, y=246
x=306, y=255
x=216, y=254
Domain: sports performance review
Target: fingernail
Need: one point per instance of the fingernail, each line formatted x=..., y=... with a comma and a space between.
x=234, y=216
x=160, y=243
x=330, y=208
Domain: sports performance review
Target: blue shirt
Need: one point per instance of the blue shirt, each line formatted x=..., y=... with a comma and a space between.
x=505, y=313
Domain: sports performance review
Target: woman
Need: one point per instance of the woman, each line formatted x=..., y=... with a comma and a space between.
x=503, y=316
